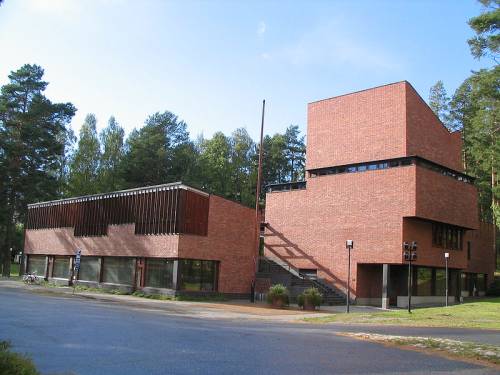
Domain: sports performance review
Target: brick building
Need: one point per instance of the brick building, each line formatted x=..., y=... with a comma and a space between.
x=163, y=239
x=381, y=169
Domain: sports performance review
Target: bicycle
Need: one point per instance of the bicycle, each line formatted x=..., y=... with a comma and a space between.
x=31, y=278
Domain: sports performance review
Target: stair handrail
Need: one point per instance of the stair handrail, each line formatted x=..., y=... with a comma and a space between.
x=288, y=267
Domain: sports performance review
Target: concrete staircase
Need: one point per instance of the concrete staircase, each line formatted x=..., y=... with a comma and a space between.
x=280, y=272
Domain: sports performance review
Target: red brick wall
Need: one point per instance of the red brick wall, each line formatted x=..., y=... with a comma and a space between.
x=482, y=250
x=358, y=127
x=309, y=227
x=231, y=240
x=442, y=198
x=120, y=241
x=427, y=137
x=427, y=255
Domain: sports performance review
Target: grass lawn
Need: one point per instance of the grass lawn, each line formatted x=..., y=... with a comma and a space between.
x=457, y=349
x=14, y=269
x=483, y=313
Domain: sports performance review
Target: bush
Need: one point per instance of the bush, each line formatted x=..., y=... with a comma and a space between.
x=310, y=298
x=277, y=295
x=13, y=363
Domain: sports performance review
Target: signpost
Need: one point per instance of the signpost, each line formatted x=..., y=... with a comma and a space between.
x=349, y=244
x=76, y=267
x=446, y=257
x=410, y=254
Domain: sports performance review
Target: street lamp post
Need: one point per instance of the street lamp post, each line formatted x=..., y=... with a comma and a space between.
x=410, y=254
x=349, y=244
x=446, y=257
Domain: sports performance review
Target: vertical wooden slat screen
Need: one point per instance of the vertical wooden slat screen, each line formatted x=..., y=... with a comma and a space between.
x=155, y=211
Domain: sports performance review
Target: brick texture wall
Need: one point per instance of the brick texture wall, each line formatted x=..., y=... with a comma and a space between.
x=358, y=127
x=309, y=227
x=120, y=241
x=427, y=137
x=230, y=240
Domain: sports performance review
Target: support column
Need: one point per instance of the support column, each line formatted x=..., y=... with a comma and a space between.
x=385, y=285
x=175, y=274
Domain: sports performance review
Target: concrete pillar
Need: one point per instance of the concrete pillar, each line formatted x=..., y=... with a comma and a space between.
x=175, y=274
x=47, y=269
x=385, y=285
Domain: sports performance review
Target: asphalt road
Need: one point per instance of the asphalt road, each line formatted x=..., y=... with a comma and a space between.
x=75, y=336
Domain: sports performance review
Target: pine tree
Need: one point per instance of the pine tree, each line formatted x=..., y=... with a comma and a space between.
x=439, y=103
x=32, y=134
x=486, y=26
x=295, y=150
x=84, y=166
x=152, y=151
x=113, y=151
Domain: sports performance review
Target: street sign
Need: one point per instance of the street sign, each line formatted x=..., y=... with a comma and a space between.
x=77, y=260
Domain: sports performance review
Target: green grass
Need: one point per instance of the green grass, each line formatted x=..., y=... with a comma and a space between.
x=483, y=313
x=454, y=348
x=14, y=269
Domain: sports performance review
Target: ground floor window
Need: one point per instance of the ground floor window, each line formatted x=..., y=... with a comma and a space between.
x=89, y=269
x=159, y=273
x=36, y=264
x=61, y=267
x=198, y=275
x=118, y=270
x=424, y=281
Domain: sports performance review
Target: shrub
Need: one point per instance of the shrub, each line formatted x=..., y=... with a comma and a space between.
x=311, y=297
x=277, y=295
x=13, y=363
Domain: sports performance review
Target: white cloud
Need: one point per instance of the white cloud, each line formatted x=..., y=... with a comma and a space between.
x=334, y=43
x=261, y=29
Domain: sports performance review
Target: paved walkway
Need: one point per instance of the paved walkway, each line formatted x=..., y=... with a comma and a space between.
x=236, y=309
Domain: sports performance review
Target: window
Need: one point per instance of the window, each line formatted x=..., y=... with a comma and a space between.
x=61, y=268
x=447, y=236
x=424, y=281
x=469, y=250
x=118, y=270
x=481, y=282
x=36, y=264
x=198, y=275
x=159, y=273
x=440, y=282
x=89, y=269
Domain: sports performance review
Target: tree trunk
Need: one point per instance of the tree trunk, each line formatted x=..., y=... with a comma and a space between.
x=6, y=253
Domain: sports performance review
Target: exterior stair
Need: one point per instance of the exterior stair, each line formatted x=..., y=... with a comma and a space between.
x=280, y=272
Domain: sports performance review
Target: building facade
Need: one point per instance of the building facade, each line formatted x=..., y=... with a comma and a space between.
x=167, y=239
x=381, y=169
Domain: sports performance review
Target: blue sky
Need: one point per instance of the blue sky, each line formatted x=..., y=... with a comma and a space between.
x=212, y=62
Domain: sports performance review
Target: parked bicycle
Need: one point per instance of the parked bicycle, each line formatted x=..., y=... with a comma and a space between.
x=31, y=278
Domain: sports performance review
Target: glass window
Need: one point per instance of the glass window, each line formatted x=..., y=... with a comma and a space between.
x=351, y=169
x=424, y=281
x=481, y=282
x=440, y=282
x=61, y=267
x=36, y=264
x=372, y=167
x=159, y=273
x=118, y=270
x=89, y=269
x=361, y=168
x=196, y=275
